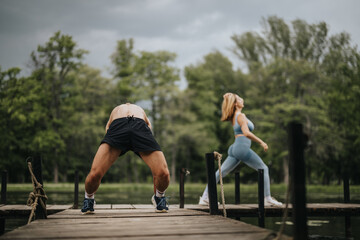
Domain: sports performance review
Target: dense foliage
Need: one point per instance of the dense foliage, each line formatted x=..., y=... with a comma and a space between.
x=293, y=72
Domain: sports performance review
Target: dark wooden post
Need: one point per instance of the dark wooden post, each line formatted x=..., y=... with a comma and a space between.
x=346, y=188
x=40, y=213
x=237, y=188
x=348, y=234
x=2, y=225
x=181, y=186
x=261, y=211
x=76, y=190
x=297, y=174
x=213, y=205
x=3, y=186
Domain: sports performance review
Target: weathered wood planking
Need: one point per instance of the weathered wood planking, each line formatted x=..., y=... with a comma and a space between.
x=10, y=211
x=140, y=223
x=313, y=209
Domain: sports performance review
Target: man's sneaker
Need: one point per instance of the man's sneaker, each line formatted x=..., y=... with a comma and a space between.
x=88, y=206
x=272, y=202
x=160, y=204
x=203, y=201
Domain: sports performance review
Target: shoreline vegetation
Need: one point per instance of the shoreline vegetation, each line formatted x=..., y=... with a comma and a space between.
x=140, y=193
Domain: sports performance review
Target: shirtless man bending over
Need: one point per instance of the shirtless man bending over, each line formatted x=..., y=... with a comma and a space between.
x=128, y=128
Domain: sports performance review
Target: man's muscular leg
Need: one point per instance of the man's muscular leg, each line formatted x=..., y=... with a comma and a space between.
x=157, y=163
x=104, y=158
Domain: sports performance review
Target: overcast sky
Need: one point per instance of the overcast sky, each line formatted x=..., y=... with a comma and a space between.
x=190, y=28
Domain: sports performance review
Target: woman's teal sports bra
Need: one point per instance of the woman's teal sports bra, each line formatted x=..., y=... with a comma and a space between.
x=237, y=128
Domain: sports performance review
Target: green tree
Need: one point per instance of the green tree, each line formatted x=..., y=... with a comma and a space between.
x=342, y=67
x=289, y=71
x=16, y=128
x=149, y=79
x=52, y=64
x=86, y=110
x=124, y=61
x=157, y=80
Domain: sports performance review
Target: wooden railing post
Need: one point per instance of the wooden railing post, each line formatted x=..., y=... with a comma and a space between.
x=2, y=225
x=297, y=174
x=213, y=204
x=40, y=213
x=237, y=188
x=3, y=186
x=261, y=210
x=183, y=172
x=348, y=233
x=76, y=190
x=346, y=188
x=182, y=188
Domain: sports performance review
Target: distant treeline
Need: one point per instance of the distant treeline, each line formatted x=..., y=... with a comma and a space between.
x=294, y=71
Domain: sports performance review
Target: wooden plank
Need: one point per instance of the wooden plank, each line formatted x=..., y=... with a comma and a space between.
x=101, y=206
x=25, y=207
x=188, y=206
x=19, y=207
x=13, y=211
x=122, y=206
x=159, y=226
x=314, y=209
x=58, y=207
x=124, y=213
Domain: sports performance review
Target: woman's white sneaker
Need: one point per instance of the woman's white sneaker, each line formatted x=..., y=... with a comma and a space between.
x=270, y=201
x=203, y=201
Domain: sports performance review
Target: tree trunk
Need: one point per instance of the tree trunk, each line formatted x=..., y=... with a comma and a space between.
x=56, y=173
x=173, y=164
x=153, y=116
x=286, y=170
x=128, y=167
x=64, y=177
x=135, y=172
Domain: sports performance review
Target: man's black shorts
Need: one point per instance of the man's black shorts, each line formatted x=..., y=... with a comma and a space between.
x=130, y=133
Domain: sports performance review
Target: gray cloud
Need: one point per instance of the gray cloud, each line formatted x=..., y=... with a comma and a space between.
x=189, y=28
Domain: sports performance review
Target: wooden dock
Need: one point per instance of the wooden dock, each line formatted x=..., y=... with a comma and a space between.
x=233, y=210
x=16, y=211
x=137, y=222
x=313, y=209
x=141, y=222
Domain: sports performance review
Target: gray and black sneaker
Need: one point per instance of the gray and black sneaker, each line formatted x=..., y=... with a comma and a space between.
x=160, y=203
x=88, y=207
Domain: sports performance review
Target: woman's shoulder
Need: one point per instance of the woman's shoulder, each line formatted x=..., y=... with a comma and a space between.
x=241, y=115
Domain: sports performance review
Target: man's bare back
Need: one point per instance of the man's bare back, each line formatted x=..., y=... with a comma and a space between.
x=125, y=110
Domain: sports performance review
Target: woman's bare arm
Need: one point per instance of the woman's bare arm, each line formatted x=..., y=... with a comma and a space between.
x=245, y=129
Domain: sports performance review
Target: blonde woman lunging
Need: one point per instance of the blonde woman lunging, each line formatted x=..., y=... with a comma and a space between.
x=240, y=150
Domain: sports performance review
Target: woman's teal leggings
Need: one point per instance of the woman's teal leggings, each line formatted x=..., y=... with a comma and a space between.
x=240, y=151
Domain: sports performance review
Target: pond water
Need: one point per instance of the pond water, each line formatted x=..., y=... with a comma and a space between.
x=330, y=227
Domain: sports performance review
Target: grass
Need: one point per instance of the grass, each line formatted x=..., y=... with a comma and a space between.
x=136, y=193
